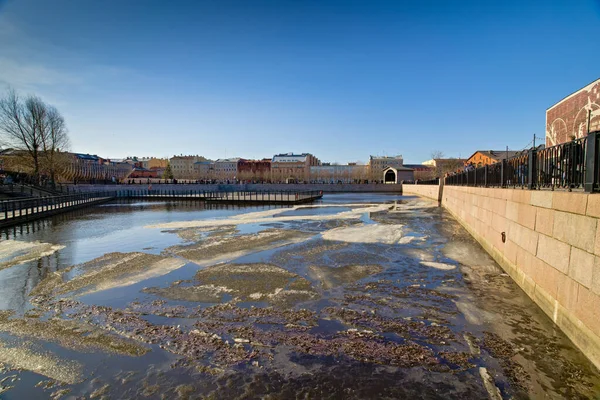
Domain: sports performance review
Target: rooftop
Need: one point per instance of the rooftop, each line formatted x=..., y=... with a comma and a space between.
x=497, y=154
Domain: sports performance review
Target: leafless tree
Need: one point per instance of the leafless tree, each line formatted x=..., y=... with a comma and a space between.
x=436, y=154
x=20, y=126
x=34, y=129
x=55, y=141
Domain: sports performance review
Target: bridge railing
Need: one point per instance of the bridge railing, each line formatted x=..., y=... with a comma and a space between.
x=258, y=196
x=572, y=165
x=13, y=209
x=23, y=207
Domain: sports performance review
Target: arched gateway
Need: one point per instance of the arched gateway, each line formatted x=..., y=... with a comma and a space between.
x=390, y=175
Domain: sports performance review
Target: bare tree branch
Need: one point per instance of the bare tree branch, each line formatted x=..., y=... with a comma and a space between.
x=34, y=129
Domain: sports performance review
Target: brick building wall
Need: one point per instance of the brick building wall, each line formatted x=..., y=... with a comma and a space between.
x=569, y=118
x=480, y=159
x=255, y=170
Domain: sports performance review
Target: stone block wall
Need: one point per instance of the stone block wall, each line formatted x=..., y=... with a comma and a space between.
x=551, y=249
x=430, y=191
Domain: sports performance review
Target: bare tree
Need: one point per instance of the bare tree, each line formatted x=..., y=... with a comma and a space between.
x=436, y=154
x=34, y=129
x=20, y=126
x=54, y=141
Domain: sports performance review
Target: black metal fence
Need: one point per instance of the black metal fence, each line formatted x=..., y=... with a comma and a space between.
x=222, y=195
x=25, y=209
x=434, y=181
x=12, y=209
x=572, y=165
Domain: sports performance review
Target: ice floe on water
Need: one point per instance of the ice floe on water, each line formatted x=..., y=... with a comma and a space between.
x=110, y=271
x=270, y=216
x=370, y=233
x=330, y=276
x=25, y=356
x=14, y=252
x=243, y=282
x=438, y=265
x=215, y=249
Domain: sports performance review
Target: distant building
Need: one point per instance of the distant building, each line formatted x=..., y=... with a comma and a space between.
x=139, y=172
x=204, y=170
x=377, y=164
x=292, y=167
x=183, y=166
x=152, y=162
x=254, y=170
x=421, y=171
x=487, y=157
x=393, y=175
x=574, y=116
x=226, y=168
x=442, y=166
x=328, y=173
x=442, y=162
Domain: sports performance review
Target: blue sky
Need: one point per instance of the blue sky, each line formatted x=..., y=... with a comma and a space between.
x=339, y=79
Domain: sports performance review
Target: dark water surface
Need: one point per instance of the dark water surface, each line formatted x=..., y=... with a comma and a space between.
x=356, y=296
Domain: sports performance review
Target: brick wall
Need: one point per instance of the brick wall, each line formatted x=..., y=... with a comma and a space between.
x=569, y=117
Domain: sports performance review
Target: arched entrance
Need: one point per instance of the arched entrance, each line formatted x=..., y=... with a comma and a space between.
x=390, y=176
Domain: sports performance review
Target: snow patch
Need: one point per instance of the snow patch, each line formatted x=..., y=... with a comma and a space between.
x=438, y=265
x=13, y=252
x=270, y=216
x=372, y=233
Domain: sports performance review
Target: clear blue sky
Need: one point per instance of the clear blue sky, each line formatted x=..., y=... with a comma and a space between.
x=339, y=79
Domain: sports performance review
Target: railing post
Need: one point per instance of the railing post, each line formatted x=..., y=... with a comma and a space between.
x=591, y=162
x=502, y=173
x=485, y=175
x=530, y=169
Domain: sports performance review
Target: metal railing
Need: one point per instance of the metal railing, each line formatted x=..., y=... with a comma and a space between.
x=434, y=181
x=13, y=209
x=24, y=209
x=571, y=165
x=237, y=196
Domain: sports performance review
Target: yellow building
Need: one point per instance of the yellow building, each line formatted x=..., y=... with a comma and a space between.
x=290, y=167
x=153, y=162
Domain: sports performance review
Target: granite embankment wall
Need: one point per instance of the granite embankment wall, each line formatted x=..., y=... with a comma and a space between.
x=551, y=249
x=335, y=188
x=432, y=192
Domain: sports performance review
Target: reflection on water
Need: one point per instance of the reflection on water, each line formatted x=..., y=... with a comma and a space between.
x=354, y=296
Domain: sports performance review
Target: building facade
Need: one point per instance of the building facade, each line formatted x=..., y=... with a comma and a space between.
x=290, y=167
x=391, y=175
x=153, y=163
x=204, y=170
x=440, y=167
x=327, y=173
x=377, y=164
x=225, y=169
x=574, y=116
x=183, y=166
x=421, y=171
x=254, y=170
x=487, y=157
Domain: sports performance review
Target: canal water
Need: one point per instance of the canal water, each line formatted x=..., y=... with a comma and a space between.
x=354, y=296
